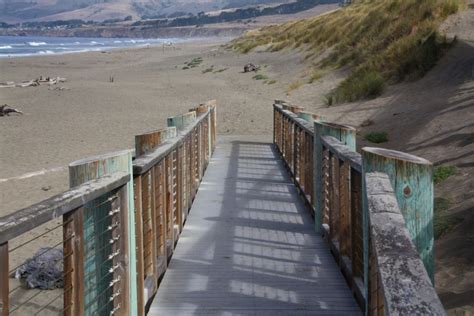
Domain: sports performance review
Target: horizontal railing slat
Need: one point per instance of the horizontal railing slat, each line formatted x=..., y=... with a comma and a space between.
x=342, y=152
x=26, y=219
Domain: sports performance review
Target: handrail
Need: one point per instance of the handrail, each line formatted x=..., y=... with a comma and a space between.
x=406, y=285
x=337, y=195
x=24, y=220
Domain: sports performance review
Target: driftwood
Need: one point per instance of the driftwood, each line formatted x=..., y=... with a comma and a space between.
x=251, y=67
x=33, y=83
x=5, y=110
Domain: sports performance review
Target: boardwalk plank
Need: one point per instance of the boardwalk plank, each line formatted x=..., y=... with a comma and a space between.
x=249, y=248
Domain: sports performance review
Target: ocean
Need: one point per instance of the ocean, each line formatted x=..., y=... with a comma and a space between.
x=18, y=46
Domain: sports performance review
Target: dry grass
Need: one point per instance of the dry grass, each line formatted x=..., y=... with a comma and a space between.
x=389, y=39
x=294, y=86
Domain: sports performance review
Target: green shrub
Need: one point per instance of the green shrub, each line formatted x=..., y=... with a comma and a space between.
x=360, y=85
x=271, y=81
x=328, y=99
x=195, y=62
x=220, y=70
x=450, y=7
x=377, y=137
x=260, y=77
x=442, y=173
x=210, y=69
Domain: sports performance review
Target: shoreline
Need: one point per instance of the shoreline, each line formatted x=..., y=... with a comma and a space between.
x=174, y=43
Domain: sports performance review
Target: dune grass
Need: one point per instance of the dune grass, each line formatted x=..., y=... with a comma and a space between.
x=294, y=86
x=383, y=42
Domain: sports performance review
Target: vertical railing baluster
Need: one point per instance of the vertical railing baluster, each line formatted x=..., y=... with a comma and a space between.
x=345, y=210
x=334, y=214
x=139, y=244
x=73, y=234
x=356, y=223
x=154, y=225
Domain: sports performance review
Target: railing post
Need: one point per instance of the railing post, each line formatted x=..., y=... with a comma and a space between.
x=310, y=117
x=92, y=168
x=139, y=245
x=4, y=277
x=73, y=234
x=412, y=181
x=347, y=135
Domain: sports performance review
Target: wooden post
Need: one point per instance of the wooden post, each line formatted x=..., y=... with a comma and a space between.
x=139, y=245
x=181, y=121
x=92, y=168
x=147, y=142
x=124, y=201
x=344, y=133
x=310, y=117
x=4, y=284
x=74, y=250
x=412, y=181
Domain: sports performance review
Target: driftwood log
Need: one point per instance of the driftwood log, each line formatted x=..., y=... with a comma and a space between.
x=5, y=110
x=33, y=83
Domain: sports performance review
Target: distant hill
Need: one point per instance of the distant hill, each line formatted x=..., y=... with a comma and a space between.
x=14, y=11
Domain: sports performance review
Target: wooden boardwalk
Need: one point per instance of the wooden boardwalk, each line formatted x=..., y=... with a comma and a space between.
x=249, y=246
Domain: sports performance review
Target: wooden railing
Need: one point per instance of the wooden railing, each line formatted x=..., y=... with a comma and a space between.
x=114, y=231
x=169, y=166
x=88, y=255
x=386, y=257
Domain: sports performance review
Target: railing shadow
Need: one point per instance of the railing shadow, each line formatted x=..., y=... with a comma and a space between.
x=254, y=251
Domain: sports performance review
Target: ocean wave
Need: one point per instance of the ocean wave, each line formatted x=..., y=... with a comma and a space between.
x=36, y=43
x=46, y=52
x=117, y=42
x=5, y=47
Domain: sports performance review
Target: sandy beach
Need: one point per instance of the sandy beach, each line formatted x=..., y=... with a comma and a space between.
x=92, y=115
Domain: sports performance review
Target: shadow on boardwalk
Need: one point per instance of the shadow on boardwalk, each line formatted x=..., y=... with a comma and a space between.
x=249, y=247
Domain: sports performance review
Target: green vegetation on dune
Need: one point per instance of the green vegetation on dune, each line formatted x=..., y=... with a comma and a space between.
x=442, y=173
x=384, y=41
x=260, y=77
x=377, y=137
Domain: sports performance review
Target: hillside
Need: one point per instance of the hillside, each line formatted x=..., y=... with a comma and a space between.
x=14, y=11
x=381, y=42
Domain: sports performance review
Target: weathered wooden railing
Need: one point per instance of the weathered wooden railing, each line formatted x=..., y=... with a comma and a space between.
x=374, y=209
x=167, y=171
x=115, y=229
x=89, y=255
